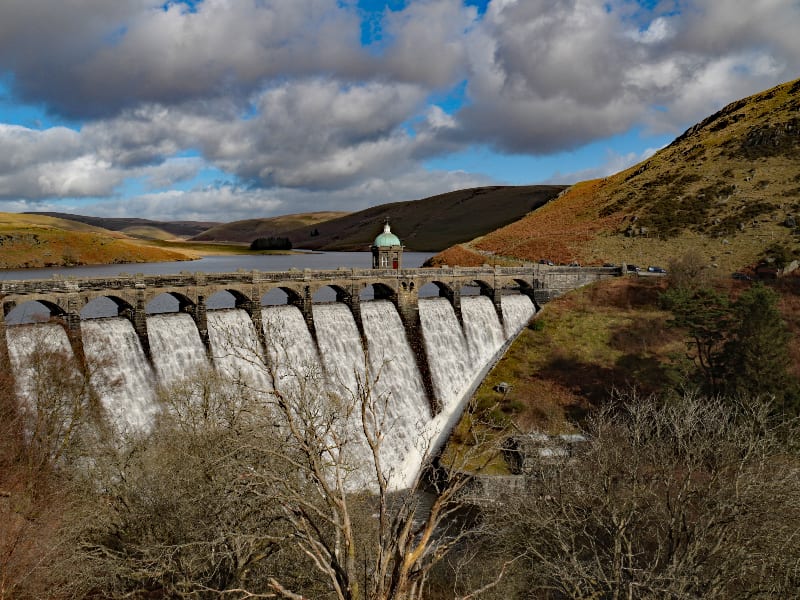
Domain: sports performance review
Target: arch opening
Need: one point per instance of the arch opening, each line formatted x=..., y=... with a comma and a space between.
x=376, y=291
x=33, y=311
x=103, y=307
x=436, y=288
x=275, y=297
x=328, y=293
x=429, y=290
x=469, y=290
x=226, y=299
x=168, y=302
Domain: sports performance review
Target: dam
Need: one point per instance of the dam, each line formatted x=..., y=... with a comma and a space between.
x=424, y=354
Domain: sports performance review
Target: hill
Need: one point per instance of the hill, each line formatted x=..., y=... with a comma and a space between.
x=250, y=229
x=430, y=224
x=728, y=188
x=35, y=240
x=138, y=227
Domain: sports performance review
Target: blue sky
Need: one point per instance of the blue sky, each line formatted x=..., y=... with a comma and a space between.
x=217, y=110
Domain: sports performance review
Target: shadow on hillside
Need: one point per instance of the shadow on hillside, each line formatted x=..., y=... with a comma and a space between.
x=630, y=292
x=647, y=373
x=644, y=336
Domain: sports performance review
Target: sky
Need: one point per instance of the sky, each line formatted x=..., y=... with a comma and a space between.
x=219, y=110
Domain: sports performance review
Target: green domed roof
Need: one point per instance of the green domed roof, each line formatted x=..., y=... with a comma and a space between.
x=387, y=238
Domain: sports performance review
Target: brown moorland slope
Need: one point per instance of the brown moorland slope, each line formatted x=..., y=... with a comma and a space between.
x=430, y=224
x=250, y=229
x=31, y=240
x=135, y=227
x=728, y=188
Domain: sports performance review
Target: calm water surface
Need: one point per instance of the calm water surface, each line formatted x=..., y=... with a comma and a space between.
x=221, y=264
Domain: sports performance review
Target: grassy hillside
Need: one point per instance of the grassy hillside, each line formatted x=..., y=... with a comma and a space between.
x=430, y=224
x=250, y=229
x=31, y=240
x=139, y=227
x=611, y=335
x=728, y=188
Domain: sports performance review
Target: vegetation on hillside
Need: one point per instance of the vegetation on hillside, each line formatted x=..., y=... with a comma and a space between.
x=728, y=189
x=271, y=243
x=29, y=241
x=243, y=493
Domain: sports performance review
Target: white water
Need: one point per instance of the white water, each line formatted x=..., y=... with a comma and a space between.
x=119, y=372
x=28, y=344
x=291, y=350
x=175, y=347
x=340, y=348
x=517, y=311
x=482, y=329
x=446, y=347
x=458, y=358
x=398, y=382
x=236, y=350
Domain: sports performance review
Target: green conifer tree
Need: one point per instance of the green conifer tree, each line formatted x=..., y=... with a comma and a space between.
x=756, y=351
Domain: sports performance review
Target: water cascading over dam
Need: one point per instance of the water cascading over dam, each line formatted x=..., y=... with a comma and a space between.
x=337, y=353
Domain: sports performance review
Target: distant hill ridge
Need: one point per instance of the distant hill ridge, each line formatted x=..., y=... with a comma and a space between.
x=728, y=188
x=176, y=228
x=35, y=240
x=250, y=229
x=430, y=224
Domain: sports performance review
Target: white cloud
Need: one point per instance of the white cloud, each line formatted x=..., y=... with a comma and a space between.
x=281, y=96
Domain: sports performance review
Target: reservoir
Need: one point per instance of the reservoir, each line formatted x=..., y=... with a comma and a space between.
x=220, y=264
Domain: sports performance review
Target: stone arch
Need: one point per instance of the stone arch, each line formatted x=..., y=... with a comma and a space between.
x=532, y=290
x=443, y=289
x=106, y=306
x=240, y=299
x=468, y=289
x=486, y=288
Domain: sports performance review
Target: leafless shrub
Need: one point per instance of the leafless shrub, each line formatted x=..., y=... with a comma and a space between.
x=694, y=498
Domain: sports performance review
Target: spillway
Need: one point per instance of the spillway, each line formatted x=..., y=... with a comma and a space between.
x=446, y=348
x=340, y=347
x=175, y=346
x=34, y=351
x=335, y=361
x=398, y=388
x=236, y=350
x=482, y=329
x=517, y=311
x=120, y=372
x=291, y=350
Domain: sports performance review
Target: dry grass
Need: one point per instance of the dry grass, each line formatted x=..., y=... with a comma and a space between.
x=609, y=335
x=723, y=189
x=31, y=241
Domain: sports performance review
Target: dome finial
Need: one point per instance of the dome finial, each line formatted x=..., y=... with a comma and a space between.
x=386, y=228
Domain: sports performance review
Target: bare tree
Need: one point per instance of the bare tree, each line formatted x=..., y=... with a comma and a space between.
x=45, y=423
x=684, y=499
x=246, y=490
